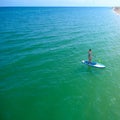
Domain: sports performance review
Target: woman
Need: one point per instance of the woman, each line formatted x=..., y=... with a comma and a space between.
x=90, y=55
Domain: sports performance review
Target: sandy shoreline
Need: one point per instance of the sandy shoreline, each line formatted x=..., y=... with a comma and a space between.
x=116, y=10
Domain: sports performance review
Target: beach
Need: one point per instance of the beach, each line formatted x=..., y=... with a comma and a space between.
x=117, y=10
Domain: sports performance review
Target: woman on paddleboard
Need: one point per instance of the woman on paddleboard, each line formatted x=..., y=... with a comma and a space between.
x=90, y=55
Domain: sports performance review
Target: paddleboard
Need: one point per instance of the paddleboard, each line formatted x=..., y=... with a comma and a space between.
x=93, y=64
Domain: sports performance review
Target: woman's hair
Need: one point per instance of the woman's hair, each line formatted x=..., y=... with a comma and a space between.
x=89, y=49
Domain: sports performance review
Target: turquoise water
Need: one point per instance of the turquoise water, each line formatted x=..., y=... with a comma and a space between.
x=42, y=77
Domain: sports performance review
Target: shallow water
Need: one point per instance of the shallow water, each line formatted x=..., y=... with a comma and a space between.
x=42, y=77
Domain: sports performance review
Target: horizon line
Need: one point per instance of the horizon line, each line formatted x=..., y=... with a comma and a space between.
x=59, y=6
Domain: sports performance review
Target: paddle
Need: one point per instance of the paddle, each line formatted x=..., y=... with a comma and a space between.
x=98, y=59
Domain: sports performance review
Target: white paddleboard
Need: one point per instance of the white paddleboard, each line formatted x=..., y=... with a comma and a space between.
x=93, y=64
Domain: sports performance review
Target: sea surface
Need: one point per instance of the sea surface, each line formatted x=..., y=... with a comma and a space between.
x=41, y=74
